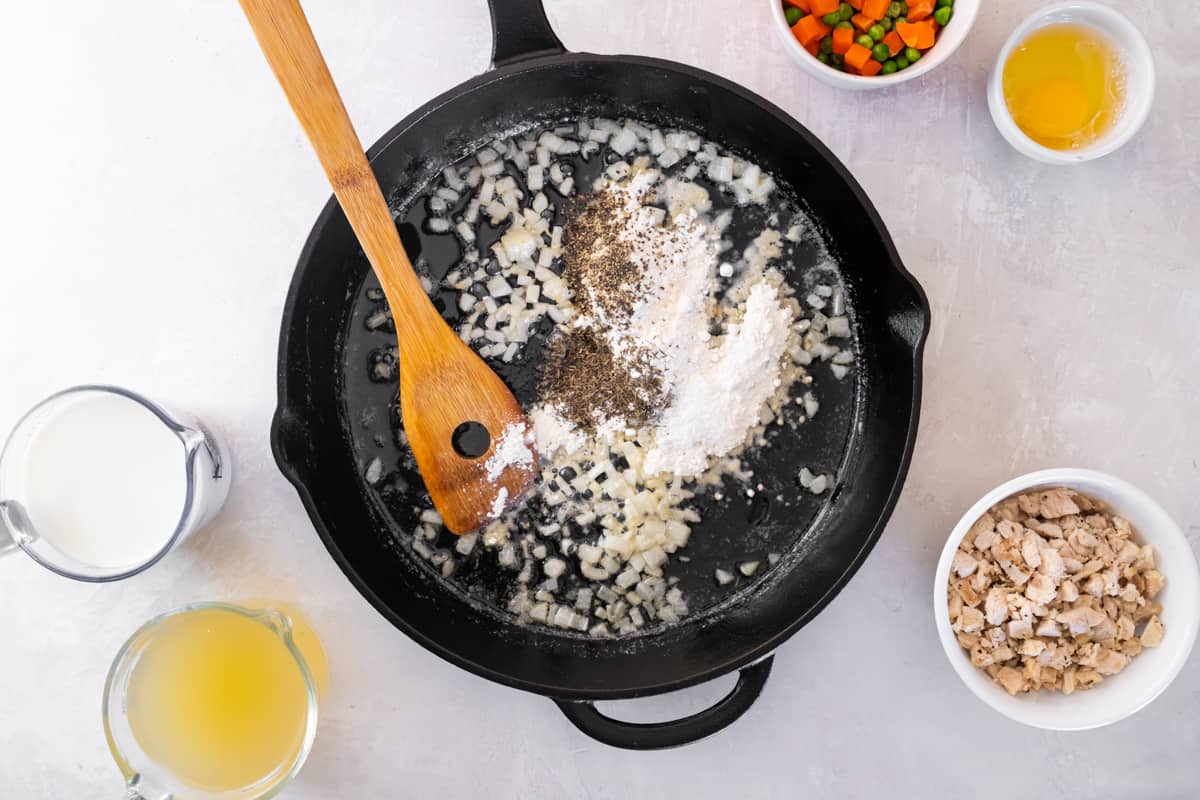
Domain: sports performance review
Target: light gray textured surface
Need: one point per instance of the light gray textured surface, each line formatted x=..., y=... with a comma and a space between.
x=157, y=192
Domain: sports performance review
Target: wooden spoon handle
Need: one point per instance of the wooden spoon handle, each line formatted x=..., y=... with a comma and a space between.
x=287, y=41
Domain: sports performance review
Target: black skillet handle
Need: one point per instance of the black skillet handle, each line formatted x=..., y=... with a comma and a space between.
x=520, y=30
x=661, y=735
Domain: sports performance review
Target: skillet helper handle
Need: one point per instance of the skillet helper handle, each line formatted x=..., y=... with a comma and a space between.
x=520, y=30
x=661, y=735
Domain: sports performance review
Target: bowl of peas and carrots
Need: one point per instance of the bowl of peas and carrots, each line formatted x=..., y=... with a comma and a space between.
x=866, y=44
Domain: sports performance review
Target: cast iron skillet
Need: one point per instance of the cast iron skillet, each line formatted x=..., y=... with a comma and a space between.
x=865, y=431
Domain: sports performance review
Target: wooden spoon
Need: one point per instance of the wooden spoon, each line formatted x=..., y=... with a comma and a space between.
x=444, y=385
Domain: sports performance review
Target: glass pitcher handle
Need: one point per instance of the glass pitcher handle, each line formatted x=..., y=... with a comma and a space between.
x=8, y=543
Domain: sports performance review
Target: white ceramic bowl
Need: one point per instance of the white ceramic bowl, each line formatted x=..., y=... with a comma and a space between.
x=1139, y=81
x=1147, y=675
x=949, y=38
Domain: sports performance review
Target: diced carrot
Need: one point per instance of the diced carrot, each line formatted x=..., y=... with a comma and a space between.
x=842, y=39
x=809, y=29
x=857, y=56
x=872, y=67
x=803, y=5
x=875, y=9
x=855, y=4
x=813, y=47
x=919, y=10
x=823, y=7
x=927, y=34
x=862, y=22
x=893, y=41
x=908, y=32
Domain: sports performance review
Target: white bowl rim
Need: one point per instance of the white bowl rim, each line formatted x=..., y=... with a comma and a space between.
x=1064, y=476
x=1141, y=58
x=847, y=80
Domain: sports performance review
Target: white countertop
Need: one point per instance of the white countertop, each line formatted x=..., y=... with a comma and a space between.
x=157, y=193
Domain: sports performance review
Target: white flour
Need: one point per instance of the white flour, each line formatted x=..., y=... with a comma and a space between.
x=715, y=392
x=512, y=448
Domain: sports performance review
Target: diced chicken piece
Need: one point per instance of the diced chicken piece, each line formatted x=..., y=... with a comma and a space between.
x=1145, y=559
x=1068, y=592
x=1129, y=594
x=1087, y=677
x=969, y=595
x=1057, y=503
x=981, y=656
x=1152, y=635
x=1094, y=586
x=964, y=564
x=1132, y=647
x=1003, y=653
x=1052, y=563
x=985, y=539
x=1072, y=564
x=1031, y=547
x=985, y=524
x=1154, y=584
x=1032, y=671
x=1040, y=589
x=955, y=604
x=1110, y=662
x=967, y=640
x=1082, y=541
x=1014, y=573
x=1048, y=628
x=971, y=620
x=1147, y=611
x=1089, y=569
x=1032, y=647
x=1075, y=619
x=995, y=608
x=996, y=636
x=1123, y=528
x=1009, y=529
x=1047, y=529
x=1128, y=553
x=1020, y=629
x=1068, y=686
x=1029, y=504
x=1125, y=627
x=1012, y=680
x=1105, y=630
x=1009, y=509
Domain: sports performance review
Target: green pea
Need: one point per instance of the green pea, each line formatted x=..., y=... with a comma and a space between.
x=837, y=60
x=831, y=19
x=943, y=14
x=865, y=41
x=881, y=52
x=827, y=45
x=876, y=32
x=845, y=11
x=901, y=62
x=903, y=9
x=945, y=3
x=886, y=23
x=823, y=58
x=889, y=67
x=844, y=25
x=792, y=15
x=912, y=54
x=893, y=10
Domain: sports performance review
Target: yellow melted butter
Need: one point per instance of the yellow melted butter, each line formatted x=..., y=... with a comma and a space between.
x=1064, y=85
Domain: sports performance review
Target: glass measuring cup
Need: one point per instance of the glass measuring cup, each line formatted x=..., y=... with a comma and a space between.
x=214, y=701
x=196, y=469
